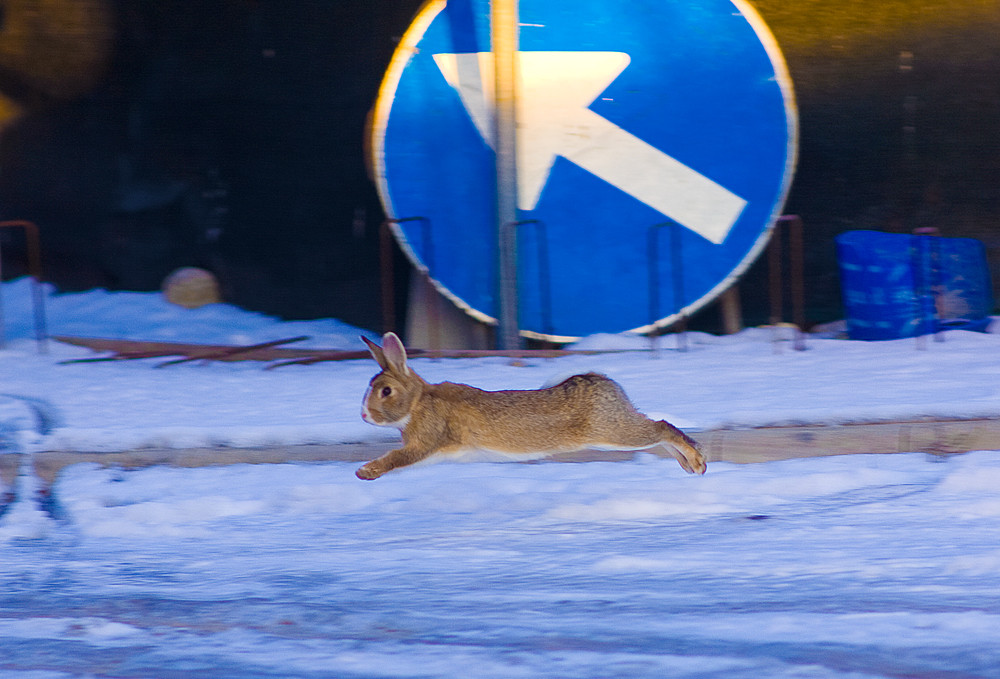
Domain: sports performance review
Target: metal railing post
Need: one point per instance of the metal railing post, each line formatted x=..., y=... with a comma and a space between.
x=793, y=226
x=677, y=272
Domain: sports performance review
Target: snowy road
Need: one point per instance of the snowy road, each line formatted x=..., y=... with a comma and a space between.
x=855, y=566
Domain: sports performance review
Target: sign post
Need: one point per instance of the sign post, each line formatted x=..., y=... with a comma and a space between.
x=503, y=25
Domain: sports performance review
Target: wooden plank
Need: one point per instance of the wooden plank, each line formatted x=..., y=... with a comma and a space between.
x=764, y=444
x=782, y=443
x=944, y=437
x=49, y=464
x=939, y=437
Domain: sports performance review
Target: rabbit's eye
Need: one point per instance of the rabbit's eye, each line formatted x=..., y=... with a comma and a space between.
x=386, y=391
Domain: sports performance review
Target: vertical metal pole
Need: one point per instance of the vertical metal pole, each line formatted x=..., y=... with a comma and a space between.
x=544, y=272
x=796, y=253
x=503, y=28
x=774, y=277
x=792, y=225
x=677, y=269
x=434, y=301
x=388, y=279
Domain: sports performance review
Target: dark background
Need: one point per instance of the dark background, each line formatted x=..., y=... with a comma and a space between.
x=145, y=135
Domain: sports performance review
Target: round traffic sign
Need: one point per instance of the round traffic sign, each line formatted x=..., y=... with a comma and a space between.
x=656, y=142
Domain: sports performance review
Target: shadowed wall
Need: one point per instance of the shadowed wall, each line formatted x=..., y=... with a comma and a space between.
x=145, y=135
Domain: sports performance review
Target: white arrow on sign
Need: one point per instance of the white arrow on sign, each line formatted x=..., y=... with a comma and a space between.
x=554, y=119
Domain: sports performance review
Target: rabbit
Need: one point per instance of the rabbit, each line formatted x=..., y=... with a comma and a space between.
x=582, y=411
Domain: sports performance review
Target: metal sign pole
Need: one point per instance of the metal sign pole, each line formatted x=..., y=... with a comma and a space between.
x=503, y=27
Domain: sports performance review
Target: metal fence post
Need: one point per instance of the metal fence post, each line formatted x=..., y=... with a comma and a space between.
x=544, y=270
x=388, y=282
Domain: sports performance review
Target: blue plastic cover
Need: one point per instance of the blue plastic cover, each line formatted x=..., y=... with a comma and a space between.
x=896, y=285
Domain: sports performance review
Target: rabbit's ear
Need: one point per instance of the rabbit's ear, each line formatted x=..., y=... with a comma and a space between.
x=377, y=353
x=394, y=353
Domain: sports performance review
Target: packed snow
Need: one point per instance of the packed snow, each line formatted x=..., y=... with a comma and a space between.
x=846, y=567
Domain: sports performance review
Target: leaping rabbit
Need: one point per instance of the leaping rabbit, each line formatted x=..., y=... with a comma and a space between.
x=583, y=411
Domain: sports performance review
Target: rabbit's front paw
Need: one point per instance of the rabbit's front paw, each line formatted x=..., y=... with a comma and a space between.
x=370, y=471
x=698, y=464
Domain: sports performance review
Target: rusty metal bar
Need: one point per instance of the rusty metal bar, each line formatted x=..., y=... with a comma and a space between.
x=796, y=251
x=775, y=277
x=230, y=353
x=34, y=252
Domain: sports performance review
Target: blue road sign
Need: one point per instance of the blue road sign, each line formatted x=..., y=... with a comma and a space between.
x=631, y=116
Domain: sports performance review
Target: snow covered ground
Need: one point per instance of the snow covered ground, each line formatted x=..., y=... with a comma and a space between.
x=867, y=566
x=852, y=566
x=737, y=380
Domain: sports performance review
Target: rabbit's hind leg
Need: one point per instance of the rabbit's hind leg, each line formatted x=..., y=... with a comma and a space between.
x=646, y=434
x=682, y=447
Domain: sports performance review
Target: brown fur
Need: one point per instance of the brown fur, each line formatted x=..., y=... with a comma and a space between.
x=588, y=410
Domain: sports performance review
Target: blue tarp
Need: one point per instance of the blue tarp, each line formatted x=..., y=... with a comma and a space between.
x=896, y=285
